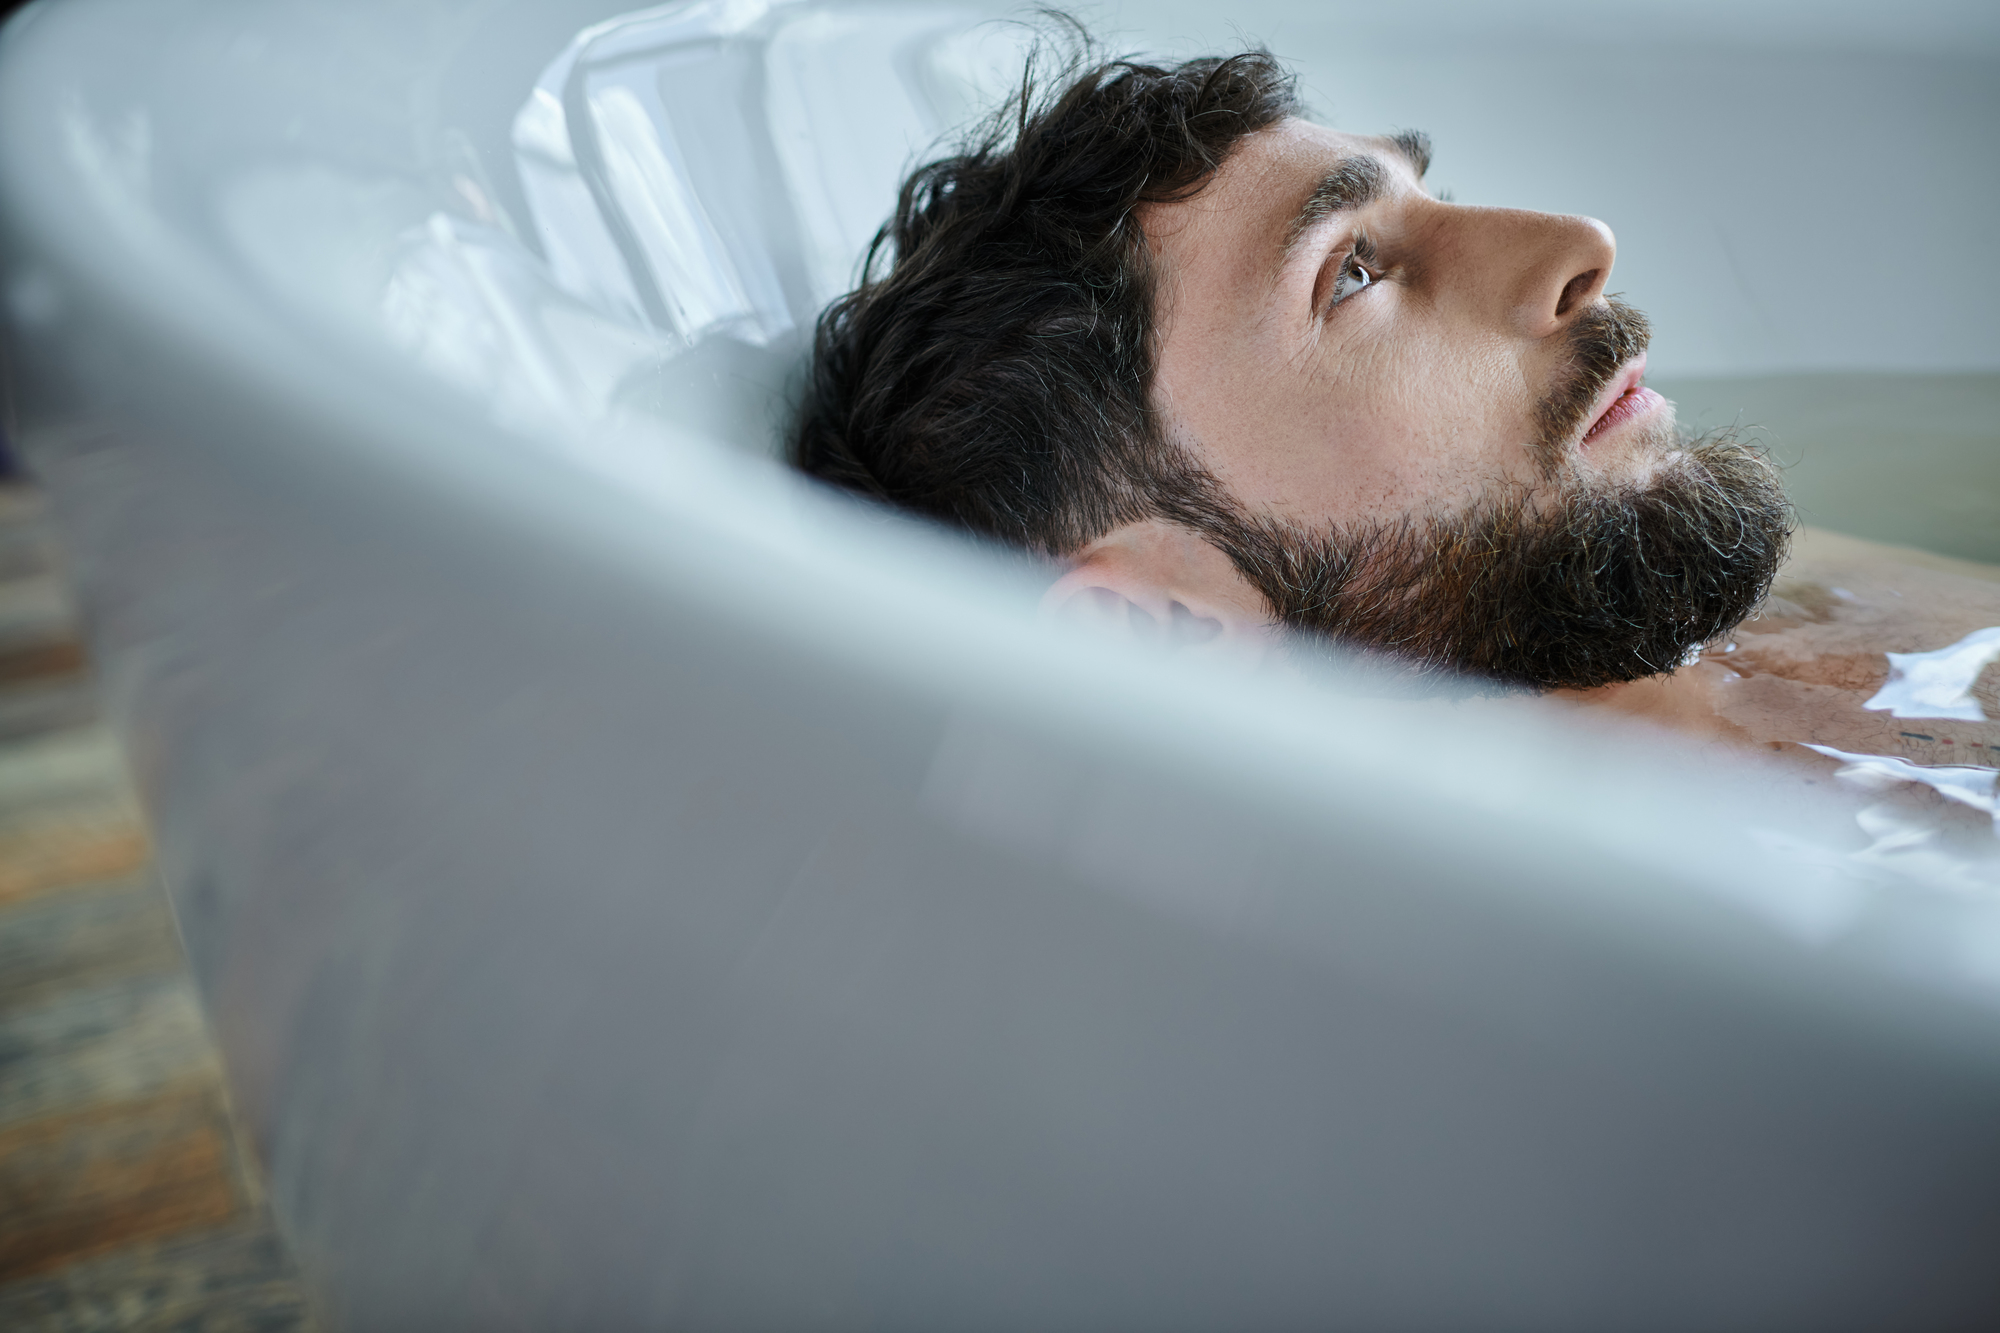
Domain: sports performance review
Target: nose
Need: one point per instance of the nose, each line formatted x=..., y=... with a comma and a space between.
x=1541, y=270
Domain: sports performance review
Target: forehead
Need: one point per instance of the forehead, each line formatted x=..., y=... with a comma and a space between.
x=1257, y=193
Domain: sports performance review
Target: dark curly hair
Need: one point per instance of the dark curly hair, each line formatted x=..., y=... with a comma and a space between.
x=997, y=375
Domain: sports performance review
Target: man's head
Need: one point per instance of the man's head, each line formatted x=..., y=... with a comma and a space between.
x=1233, y=368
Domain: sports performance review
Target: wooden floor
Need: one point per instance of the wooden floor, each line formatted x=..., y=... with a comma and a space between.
x=127, y=1199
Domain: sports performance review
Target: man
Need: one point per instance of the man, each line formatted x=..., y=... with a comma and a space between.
x=1235, y=371
x=1245, y=382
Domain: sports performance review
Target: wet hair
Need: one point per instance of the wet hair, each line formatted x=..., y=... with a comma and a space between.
x=994, y=367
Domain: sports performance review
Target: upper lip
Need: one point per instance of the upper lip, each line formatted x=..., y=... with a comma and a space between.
x=1623, y=383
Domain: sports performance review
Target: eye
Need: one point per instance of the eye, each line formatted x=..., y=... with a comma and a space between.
x=1354, y=275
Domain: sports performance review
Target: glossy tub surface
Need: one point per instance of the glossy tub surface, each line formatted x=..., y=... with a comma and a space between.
x=634, y=888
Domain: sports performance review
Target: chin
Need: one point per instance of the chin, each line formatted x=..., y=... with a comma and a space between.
x=1637, y=455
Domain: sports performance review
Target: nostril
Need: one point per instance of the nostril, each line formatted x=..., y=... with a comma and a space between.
x=1574, y=291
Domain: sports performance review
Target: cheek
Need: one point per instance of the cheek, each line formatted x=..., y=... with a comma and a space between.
x=1486, y=389
x=1412, y=382
x=1421, y=416
x=1385, y=413
x=1463, y=382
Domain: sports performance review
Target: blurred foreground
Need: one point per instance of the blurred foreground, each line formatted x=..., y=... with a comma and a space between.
x=127, y=1199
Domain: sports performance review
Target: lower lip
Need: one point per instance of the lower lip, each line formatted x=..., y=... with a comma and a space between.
x=1633, y=405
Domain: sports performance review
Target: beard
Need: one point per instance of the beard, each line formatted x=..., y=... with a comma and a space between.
x=1593, y=585
x=1573, y=583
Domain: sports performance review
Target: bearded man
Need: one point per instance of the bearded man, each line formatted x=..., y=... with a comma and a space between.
x=1235, y=370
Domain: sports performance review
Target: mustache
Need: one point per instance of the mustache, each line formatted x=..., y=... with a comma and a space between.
x=1602, y=340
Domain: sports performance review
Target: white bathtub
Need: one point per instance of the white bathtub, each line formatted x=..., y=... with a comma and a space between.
x=633, y=888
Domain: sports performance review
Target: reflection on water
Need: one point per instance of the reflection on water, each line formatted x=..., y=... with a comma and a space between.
x=1873, y=672
x=1931, y=840
x=1938, y=684
x=1973, y=787
x=1863, y=660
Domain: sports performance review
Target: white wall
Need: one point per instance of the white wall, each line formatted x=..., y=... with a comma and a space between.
x=1794, y=186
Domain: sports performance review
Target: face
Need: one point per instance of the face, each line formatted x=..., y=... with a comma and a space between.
x=1420, y=429
x=1337, y=345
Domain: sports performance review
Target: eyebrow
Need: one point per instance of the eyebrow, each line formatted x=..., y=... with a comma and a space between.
x=1354, y=182
x=1416, y=146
